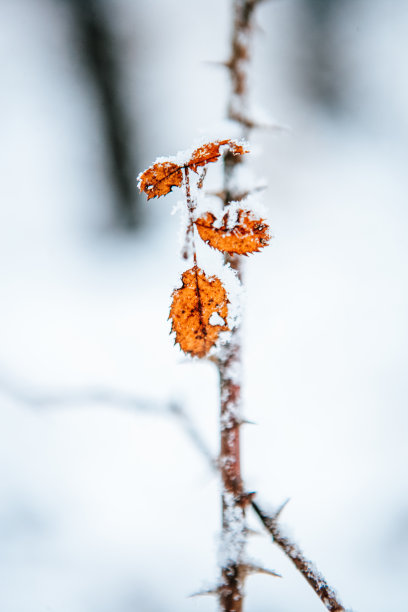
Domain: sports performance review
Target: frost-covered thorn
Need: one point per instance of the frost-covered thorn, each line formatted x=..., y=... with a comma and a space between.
x=279, y=511
x=213, y=591
x=251, y=568
x=246, y=422
x=252, y=532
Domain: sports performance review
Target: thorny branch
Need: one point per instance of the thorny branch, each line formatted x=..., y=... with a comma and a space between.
x=305, y=567
x=239, y=62
x=308, y=570
x=234, y=502
x=238, y=111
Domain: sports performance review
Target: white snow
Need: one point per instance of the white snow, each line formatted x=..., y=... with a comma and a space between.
x=216, y=319
x=98, y=504
x=233, y=540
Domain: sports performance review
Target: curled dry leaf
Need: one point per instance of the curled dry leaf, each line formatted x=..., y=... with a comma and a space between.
x=194, y=311
x=160, y=178
x=210, y=152
x=247, y=235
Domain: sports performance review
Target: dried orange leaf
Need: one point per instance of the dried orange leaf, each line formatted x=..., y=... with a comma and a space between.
x=198, y=312
x=160, y=178
x=247, y=235
x=210, y=152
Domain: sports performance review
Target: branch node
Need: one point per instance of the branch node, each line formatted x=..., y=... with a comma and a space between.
x=245, y=499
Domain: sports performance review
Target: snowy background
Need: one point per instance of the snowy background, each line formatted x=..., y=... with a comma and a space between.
x=108, y=507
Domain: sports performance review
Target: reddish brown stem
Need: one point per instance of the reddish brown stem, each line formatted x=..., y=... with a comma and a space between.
x=233, y=506
x=238, y=62
x=234, y=502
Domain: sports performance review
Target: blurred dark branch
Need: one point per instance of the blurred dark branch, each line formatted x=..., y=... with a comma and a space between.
x=194, y=434
x=98, y=47
x=35, y=398
x=322, y=73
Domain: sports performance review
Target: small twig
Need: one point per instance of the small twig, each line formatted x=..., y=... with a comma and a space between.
x=251, y=568
x=202, y=177
x=193, y=433
x=40, y=399
x=236, y=196
x=305, y=567
x=34, y=398
x=247, y=122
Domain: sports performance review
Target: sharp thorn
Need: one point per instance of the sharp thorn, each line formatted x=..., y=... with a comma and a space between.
x=246, y=422
x=257, y=569
x=278, y=512
x=252, y=532
x=222, y=64
x=214, y=591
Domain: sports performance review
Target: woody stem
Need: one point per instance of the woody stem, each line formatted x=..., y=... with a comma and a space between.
x=233, y=507
x=234, y=502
